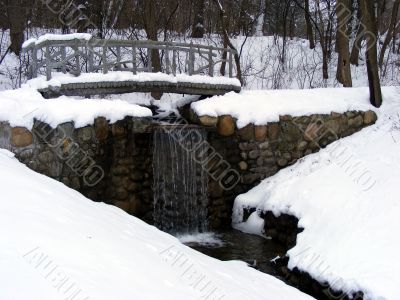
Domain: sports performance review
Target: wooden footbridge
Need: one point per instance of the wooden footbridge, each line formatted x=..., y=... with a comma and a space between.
x=78, y=65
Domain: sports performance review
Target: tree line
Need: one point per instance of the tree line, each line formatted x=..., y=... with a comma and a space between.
x=350, y=28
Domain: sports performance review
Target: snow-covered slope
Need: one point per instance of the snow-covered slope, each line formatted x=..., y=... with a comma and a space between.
x=56, y=244
x=347, y=199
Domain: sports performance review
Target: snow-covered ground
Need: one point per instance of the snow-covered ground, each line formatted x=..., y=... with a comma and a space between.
x=347, y=199
x=20, y=107
x=56, y=244
x=263, y=106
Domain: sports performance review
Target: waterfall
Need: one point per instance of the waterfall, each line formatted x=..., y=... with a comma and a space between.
x=180, y=183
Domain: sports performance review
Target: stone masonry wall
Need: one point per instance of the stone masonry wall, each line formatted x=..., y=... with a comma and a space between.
x=106, y=162
x=121, y=155
x=258, y=152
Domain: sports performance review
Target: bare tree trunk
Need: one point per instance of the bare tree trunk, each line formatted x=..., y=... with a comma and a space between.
x=150, y=24
x=343, y=68
x=324, y=43
x=310, y=34
x=228, y=42
x=224, y=57
x=284, y=34
x=355, y=51
x=198, y=22
x=368, y=16
x=17, y=18
x=390, y=33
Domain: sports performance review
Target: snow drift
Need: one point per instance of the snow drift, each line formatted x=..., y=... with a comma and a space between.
x=56, y=244
x=346, y=198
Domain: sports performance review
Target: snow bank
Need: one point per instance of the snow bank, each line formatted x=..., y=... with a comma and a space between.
x=20, y=108
x=262, y=107
x=346, y=198
x=56, y=244
x=59, y=78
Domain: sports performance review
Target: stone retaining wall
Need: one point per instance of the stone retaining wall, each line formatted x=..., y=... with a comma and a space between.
x=106, y=162
x=122, y=154
x=258, y=152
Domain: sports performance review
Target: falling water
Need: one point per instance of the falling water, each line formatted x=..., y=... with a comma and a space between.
x=180, y=183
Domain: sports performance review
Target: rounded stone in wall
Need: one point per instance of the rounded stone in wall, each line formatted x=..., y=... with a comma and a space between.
x=101, y=128
x=274, y=131
x=243, y=166
x=356, y=122
x=260, y=132
x=333, y=126
x=208, y=121
x=25, y=155
x=247, y=133
x=254, y=154
x=85, y=134
x=267, y=153
x=370, y=117
x=226, y=125
x=118, y=131
x=21, y=137
x=302, y=146
x=282, y=162
x=46, y=156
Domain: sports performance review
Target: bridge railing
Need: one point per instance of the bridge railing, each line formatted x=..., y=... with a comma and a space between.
x=78, y=56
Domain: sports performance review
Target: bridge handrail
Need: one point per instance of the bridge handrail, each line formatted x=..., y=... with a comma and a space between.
x=87, y=49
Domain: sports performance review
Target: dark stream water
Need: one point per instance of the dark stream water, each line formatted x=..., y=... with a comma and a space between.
x=255, y=250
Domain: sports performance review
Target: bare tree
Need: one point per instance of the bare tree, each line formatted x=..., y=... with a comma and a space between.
x=342, y=37
x=391, y=32
x=369, y=19
x=150, y=22
x=198, y=23
x=309, y=27
x=227, y=41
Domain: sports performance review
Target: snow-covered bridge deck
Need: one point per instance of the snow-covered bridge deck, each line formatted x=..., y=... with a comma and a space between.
x=80, y=65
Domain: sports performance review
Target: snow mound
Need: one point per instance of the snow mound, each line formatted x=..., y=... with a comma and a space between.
x=346, y=198
x=264, y=106
x=57, y=244
x=20, y=108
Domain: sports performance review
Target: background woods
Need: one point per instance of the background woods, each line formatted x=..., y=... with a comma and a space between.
x=341, y=34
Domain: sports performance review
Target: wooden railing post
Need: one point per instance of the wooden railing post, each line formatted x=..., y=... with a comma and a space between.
x=34, y=62
x=118, y=58
x=191, y=60
x=210, y=63
x=167, y=62
x=104, y=59
x=149, y=60
x=231, y=63
x=91, y=58
x=134, y=70
x=63, y=59
x=48, y=63
x=77, y=59
x=174, y=62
